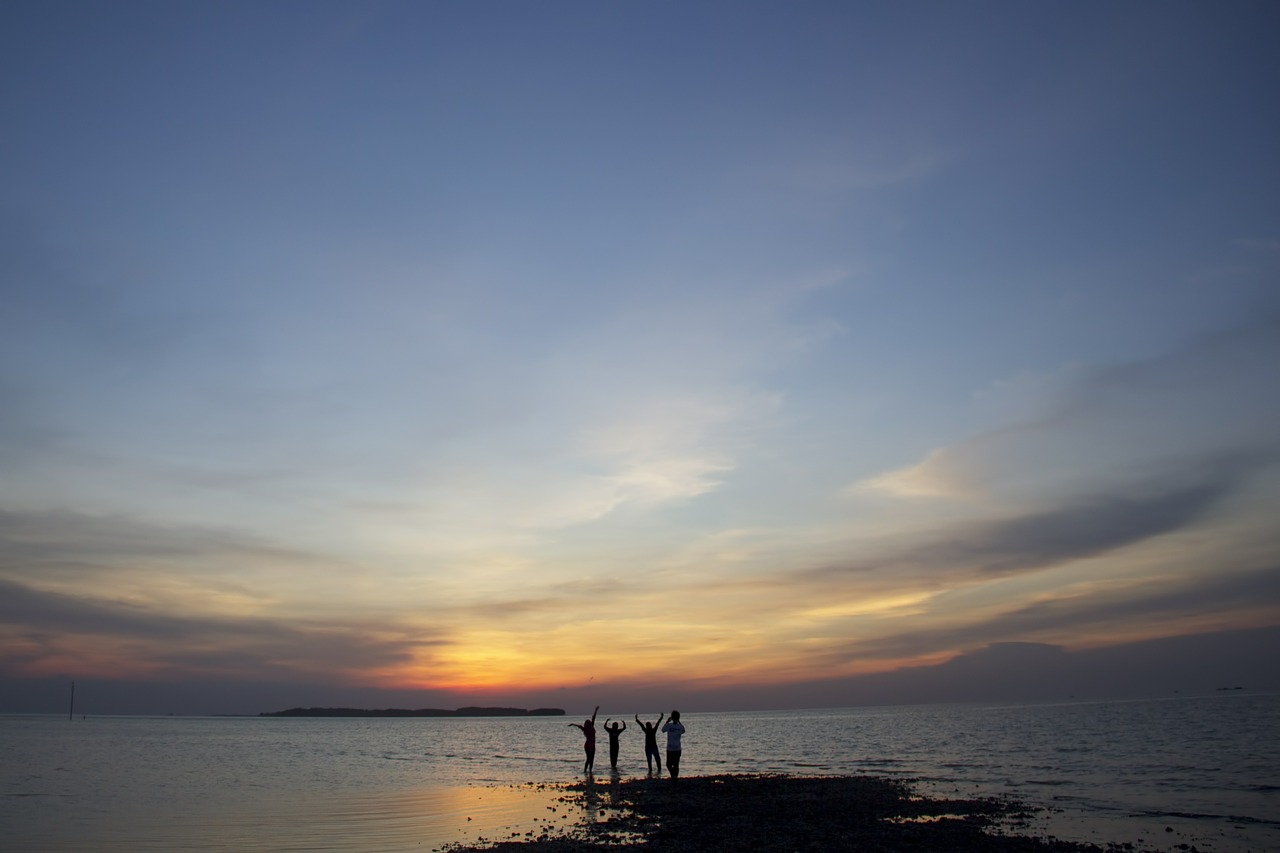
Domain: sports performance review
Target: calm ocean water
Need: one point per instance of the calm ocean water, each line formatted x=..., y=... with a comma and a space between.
x=1202, y=771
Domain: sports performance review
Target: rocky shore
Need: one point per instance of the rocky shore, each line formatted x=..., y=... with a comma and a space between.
x=783, y=813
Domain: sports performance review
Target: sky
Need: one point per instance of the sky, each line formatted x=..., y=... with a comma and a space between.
x=742, y=354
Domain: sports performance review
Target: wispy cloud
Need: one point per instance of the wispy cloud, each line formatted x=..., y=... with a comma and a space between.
x=941, y=474
x=1117, y=422
x=1041, y=539
x=48, y=632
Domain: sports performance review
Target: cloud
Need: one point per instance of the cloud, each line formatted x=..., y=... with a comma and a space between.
x=115, y=555
x=1205, y=400
x=50, y=629
x=640, y=451
x=1088, y=571
x=123, y=592
x=33, y=535
x=1083, y=527
x=1154, y=600
x=944, y=473
x=1139, y=559
x=670, y=448
x=1020, y=671
x=651, y=404
x=1083, y=619
x=996, y=672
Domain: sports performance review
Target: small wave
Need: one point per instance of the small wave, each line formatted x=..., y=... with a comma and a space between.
x=1258, y=821
x=1053, y=783
x=934, y=777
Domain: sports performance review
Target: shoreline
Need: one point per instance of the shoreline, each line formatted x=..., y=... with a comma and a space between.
x=776, y=811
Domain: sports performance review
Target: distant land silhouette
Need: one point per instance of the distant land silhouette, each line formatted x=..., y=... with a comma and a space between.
x=420, y=712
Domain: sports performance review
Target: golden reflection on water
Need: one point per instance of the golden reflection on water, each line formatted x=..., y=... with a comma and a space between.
x=423, y=819
x=503, y=812
x=427, y=818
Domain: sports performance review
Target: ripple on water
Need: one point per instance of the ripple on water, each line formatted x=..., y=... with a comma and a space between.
x=355, y=822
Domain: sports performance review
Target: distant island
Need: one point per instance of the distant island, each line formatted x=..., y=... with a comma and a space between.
x=420, y=712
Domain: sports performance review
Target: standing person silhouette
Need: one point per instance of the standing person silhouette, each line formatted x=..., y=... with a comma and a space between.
x=613, y=731
x=674, y=729
x=651, y=754
x=589, y=745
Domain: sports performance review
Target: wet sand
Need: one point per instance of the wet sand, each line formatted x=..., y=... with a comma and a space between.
x=715, y=813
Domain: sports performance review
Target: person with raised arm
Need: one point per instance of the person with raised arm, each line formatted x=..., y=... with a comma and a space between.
x=616, y=729
x=589, y=745
x=651, y=754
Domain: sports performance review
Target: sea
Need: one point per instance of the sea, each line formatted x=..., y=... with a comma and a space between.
x=1167, y=774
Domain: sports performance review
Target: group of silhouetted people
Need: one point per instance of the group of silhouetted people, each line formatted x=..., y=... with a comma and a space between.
x=673, y=729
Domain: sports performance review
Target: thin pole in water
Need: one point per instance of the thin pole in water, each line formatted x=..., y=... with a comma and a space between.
x=71, y=711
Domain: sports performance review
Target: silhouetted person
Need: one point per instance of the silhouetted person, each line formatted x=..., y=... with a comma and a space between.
x=589, y=731
x=674, y=729
x=613, y=731
x=651, y=754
